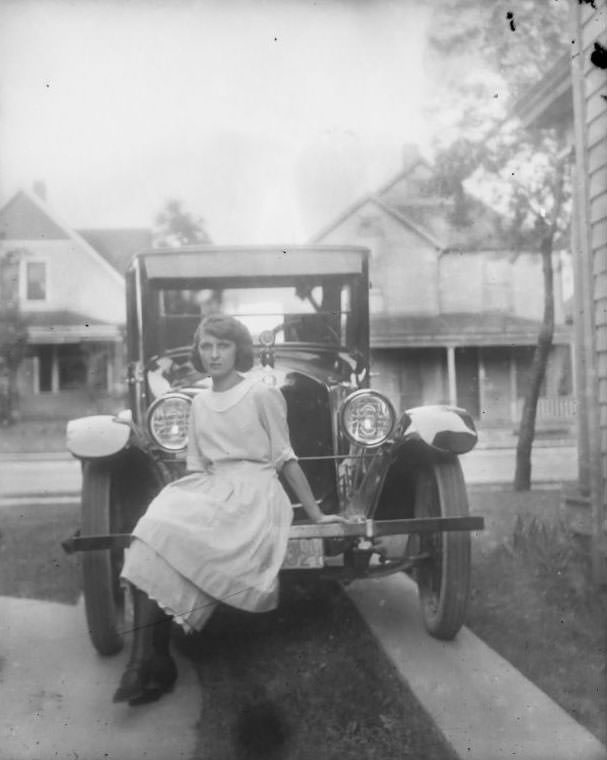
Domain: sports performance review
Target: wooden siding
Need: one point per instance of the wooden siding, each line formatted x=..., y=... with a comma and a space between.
x=594, y=29
x=595, y=105
x=597, y=129
x=598, y=181
x=589, y=26
x=595, y=78
x=403, y=267
x=598, y=209
x=592, y=23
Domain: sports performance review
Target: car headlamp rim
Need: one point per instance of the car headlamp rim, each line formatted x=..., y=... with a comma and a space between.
x=153, y=408
x=358, y=398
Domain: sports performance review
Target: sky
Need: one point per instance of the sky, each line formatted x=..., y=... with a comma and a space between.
x=265, y=118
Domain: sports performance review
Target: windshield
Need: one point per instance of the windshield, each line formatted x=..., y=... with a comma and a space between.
x=309, y=310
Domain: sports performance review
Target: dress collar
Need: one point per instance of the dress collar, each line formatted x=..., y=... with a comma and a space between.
x=219, y=401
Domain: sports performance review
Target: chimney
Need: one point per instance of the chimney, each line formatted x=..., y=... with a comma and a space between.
x=39, y=189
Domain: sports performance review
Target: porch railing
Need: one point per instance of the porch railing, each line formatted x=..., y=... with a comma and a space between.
x=552, y=407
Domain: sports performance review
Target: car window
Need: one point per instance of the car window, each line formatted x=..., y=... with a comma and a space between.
x=308, y=311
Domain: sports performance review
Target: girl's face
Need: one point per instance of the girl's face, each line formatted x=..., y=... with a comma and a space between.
x=218, y=355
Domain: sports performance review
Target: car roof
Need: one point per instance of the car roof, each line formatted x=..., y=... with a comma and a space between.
x=210, y=261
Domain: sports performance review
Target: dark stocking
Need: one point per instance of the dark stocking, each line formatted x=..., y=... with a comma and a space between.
x=150, y=671
x=161, y=638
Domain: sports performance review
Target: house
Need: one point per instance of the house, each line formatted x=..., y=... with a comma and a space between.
x=71, y=294
x=455, y=312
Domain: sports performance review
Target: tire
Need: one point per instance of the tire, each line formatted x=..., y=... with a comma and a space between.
x=101, y=569
x=443, y=579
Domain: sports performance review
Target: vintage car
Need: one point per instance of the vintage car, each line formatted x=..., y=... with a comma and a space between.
x=394, y=474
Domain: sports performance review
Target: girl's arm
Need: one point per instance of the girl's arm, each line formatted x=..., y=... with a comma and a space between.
x=296, y=478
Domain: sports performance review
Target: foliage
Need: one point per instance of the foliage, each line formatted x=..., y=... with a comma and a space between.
x=13, y=335
x=176, y=227
x=494, y=52
x=484, y=55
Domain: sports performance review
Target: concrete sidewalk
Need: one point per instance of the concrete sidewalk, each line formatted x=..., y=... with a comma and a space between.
x=485, y=708
x=57, y=694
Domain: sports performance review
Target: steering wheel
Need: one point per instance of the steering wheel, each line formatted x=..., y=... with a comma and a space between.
x=299, y=320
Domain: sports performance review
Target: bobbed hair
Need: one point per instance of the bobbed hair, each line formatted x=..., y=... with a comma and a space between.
x=228, y=328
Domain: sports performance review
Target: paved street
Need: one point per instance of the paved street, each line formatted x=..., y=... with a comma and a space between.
x=481, y=466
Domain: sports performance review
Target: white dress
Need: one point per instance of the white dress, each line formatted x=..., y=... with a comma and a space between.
x=220, y=534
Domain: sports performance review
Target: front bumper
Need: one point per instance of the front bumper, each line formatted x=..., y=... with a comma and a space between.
x=365, y=529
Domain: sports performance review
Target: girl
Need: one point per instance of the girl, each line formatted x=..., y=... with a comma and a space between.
x=220, y=533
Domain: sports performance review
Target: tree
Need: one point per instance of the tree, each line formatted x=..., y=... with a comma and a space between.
x=13, y=336
x=176, y=227
x=523, y=173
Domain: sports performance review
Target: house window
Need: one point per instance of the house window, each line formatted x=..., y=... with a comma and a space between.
x=35, y=274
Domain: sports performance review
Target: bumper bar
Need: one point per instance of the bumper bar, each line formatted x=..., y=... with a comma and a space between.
x=368, y=529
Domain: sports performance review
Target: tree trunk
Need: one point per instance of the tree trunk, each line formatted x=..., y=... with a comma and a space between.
x=522, y=475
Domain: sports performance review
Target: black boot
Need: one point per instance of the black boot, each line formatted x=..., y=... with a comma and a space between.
x=164, y=667
x=148, y=674
x=161, y=637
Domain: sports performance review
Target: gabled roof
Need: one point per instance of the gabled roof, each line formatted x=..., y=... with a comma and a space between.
x=23, y=219
x=25, y=205
x=483, y=230
x=395, y=213
x=492, y=328
x=419, y=203
x=404, y=173
x=118, y=246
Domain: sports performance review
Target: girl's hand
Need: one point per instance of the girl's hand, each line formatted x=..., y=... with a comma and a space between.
x=330, y=519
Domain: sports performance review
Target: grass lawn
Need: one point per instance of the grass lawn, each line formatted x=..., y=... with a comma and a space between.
x=32, y=563
x=532, y=601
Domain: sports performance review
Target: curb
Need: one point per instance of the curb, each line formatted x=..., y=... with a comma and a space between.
x=48, y=496
x=483, y=706
x=40, y=494
x=19, y=501
x=34, y=456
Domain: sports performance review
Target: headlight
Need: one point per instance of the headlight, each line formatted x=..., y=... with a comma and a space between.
x=367, y=418
x=168, y=420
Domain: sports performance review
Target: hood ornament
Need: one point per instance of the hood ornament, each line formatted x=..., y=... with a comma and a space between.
x=267, y=338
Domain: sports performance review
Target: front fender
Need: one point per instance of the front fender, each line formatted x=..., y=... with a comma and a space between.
x=443, y=428
x=97, y=436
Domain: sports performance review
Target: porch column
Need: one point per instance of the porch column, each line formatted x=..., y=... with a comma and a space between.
x=36, y=374
x=452, y=379
x=513, y=389
x=481, y=385
x=54, y=371
x=109, y=368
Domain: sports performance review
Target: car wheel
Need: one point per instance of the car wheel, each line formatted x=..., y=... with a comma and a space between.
x=103, y=597
x=443, y=578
